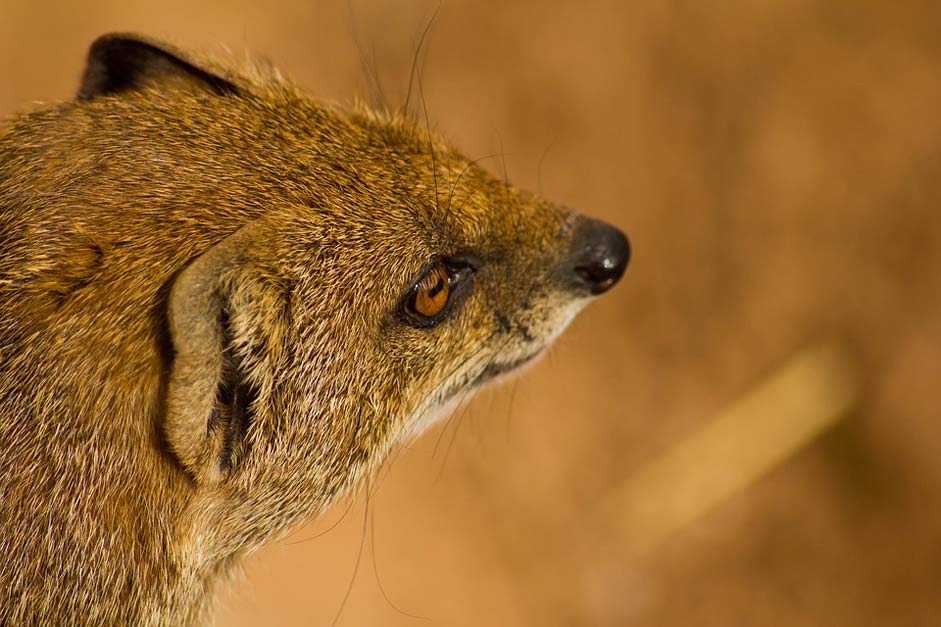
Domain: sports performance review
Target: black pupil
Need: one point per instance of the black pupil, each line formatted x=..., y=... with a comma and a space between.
x=436, y=288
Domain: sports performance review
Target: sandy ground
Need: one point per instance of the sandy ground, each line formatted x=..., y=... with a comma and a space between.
x=776, y=165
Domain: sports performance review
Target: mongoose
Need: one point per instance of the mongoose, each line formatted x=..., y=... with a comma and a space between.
x=222, y=302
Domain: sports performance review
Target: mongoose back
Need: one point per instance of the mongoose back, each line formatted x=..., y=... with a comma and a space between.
x=222, y=303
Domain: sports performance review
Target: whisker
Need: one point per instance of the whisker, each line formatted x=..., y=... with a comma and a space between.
x=431, y=145
x=456, y=416
x=386, y=466
x=375, y=568
x=448, y=170
x=468, y=197
x=506, y=176
x=474, y=353
x=369, y=64
x=382, y=101
x=464, y=396
x=359, y=557
x=349, y=506
x=421, y=42
x=454, y=432
x=457, y=182
x=460, y=415
x=515, y=216
x=437, y=390
x=509, y=408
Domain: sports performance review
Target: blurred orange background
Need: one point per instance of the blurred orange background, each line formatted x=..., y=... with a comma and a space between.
x=776, y=165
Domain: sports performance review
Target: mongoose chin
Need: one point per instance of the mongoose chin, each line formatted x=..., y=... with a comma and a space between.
x=222, y=302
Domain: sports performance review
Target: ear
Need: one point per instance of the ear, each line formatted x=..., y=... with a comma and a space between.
x=118, y=63
x=209, y=396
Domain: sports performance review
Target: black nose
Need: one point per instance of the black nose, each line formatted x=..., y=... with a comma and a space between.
x=600, y=255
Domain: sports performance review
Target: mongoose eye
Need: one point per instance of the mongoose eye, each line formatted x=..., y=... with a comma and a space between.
x=431, y=294
x=437, y=291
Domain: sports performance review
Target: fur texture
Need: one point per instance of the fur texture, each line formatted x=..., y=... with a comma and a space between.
x=200, y=340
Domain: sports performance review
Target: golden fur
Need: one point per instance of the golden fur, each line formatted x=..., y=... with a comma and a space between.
x=199, y=273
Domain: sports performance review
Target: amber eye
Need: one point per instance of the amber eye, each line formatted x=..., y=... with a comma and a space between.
x=438, y=292
x=430, y=295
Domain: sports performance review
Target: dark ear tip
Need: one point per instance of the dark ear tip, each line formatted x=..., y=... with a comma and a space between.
x=119, y=62
x=110, y=44
x=108, y=68
x=103, y=41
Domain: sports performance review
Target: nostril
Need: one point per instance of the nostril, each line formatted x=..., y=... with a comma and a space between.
x=600, y=277
x=601, y=257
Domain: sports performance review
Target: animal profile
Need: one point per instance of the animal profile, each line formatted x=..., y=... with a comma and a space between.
x=222, y=303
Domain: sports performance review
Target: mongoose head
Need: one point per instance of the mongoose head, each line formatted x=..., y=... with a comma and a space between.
x=321, y=282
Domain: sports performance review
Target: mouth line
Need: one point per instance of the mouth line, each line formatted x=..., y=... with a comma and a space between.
x=494, y=370
x=490, y=372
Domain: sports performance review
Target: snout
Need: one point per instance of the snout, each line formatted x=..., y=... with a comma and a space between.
x=598, y=258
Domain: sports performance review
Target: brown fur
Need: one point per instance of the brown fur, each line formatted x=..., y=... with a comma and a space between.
x=199, y=273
